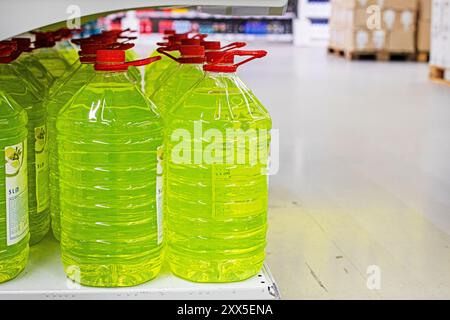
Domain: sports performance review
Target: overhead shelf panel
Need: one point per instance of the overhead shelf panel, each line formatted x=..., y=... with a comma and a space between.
x=20, y=16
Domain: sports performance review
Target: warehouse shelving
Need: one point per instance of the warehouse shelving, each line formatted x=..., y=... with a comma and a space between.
x=17, y=17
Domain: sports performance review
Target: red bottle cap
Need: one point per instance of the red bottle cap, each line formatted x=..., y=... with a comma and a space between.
x=188, y=54
x=88, y=52
x=190, y=42
x=211, y=45
x=44, y=40
x=114, y=60
x=23, y=44
x=8, y=51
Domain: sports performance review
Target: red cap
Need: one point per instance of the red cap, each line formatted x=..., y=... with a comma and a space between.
x=190, y=42
x=177, y=37
x=104, y=56
x=169, y=32
x=8, y=51
x=23, y=44
x=88, y=52
x=211, y=45
x=192, y=50
x=114, y=60
x=219, y=57
x=44, y=40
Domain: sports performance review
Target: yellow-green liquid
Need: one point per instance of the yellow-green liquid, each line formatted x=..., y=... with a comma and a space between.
x=22, y=92
x=154, y=71
x=108, y=136
x=216, y=213
x=67, y=51
x=63, y=90
x=175, y=83
x=35, y=73
x=55, y=64
x=13, y=130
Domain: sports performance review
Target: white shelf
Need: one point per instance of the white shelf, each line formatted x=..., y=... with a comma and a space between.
x=44, y=278
x=20, y=16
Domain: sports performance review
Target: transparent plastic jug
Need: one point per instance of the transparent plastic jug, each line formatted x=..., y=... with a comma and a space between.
x=37, y=148
x=14, y=231
x=109, y=156
x=61, y=93
x=48, y=56
x=175, y=83
x=216, y=193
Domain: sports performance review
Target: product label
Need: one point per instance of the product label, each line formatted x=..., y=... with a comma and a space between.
x=42, y=168
x=159, y=192
x=16, y=184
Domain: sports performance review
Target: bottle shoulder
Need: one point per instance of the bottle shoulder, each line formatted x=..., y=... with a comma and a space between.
x=220, y=99
x=110, y=103
x=12, y=115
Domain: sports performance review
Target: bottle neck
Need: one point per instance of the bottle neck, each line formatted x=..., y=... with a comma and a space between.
x=112, y=76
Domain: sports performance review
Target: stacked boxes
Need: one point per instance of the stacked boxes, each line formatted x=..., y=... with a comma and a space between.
x=373, y=25
x=424, y=26
x=440, y=35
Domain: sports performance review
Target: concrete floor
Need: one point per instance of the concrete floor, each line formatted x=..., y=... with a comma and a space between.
x=360, y=207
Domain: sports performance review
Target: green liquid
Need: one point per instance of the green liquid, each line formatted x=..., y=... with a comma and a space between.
x=64, y=89
x=20, y=91
x=35, y=73
x=216, y=213
x=13, y=121
x=175, y=83
x=55, y=64
x=154, y=71
x=108, y=137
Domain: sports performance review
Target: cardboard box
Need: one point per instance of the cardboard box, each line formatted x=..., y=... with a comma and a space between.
x=401, y=41
x=423, y=36
x=425, y=10
x=360, y=4
x=379, y=40
x=398, y=19
x=358, y=18
x=400, y=4
x=358, y=40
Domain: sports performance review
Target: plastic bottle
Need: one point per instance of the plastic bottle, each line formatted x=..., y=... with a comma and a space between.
x=175, y=83
x=64, y=46
x=14, y=231
x=99, y=39
x=216, y=195
x=109, y=139
x=130, y=55
x=61, y=93
x=29, y=67
x=48, y=56
x=154, y=71
x=37, y=154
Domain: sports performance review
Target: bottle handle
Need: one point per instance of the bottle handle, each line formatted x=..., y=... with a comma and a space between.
x=164, y=51
x=200, y=36
x=254, y=54
x=233, y=45
x=125, y=65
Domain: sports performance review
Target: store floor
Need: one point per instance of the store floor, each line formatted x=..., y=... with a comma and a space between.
x=360, y=207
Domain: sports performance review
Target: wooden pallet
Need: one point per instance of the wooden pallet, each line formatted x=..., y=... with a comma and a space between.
x=437, y=74
x=423, y=57
x=378, y=56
